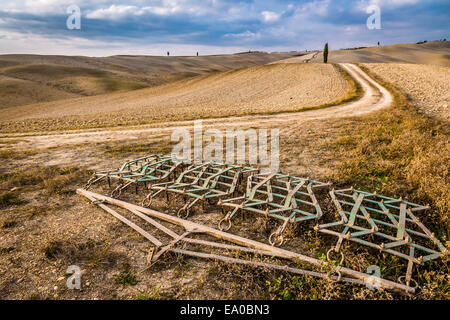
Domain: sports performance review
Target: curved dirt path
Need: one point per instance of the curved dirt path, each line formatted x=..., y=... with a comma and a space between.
x=375, y=98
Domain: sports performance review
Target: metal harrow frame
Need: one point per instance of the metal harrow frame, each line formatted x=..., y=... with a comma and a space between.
x=286, y=198
x=385, y=224
x=367, y=219
x=149, y=169
x=233, y=245
x=206, y=182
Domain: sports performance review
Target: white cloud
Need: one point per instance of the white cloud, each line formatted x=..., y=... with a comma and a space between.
x=114, y=12
x=38, y=7
x=247, y=35
x=161, y=8
x=13, y=42
x=384, y=4
x=319, y=7
x=269, y=16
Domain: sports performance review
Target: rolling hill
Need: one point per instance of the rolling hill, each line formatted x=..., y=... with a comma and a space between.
x=27, y=79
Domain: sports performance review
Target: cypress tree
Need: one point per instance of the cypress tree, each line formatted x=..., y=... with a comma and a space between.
x=325, y=53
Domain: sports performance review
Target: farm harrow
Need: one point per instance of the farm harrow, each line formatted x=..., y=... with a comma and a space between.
x=204, y=183
x=382, y=223
x=286, y=198
x=179, y=236
x=365, y=219
x=145, y=170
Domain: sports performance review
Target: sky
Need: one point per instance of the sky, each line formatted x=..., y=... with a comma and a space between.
x=184, y=27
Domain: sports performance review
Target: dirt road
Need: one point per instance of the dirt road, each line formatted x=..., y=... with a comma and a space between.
x=375, y=98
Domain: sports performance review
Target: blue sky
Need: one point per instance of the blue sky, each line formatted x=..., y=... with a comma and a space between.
x=184, y=27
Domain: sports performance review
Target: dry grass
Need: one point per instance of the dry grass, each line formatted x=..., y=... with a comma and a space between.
x=121, y=150
x=53, y=180
x=398, y=152
x=17, y=92
x=28, y=84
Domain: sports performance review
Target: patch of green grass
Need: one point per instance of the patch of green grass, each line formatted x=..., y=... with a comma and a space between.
x=153, y=295
x=68, y=170
x=127, y=277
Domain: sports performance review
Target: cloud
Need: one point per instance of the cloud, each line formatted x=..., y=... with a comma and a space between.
x=270, y=25
x=385, y=4
x=115, y=12
x=269, y=16
x=247, y=34
x=316, y=7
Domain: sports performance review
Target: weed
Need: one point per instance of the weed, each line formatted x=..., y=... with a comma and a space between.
x=154, y=295
x=127, y=277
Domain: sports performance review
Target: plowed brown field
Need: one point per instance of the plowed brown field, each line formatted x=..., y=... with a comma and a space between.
x=427, y=86
x=268, y=88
